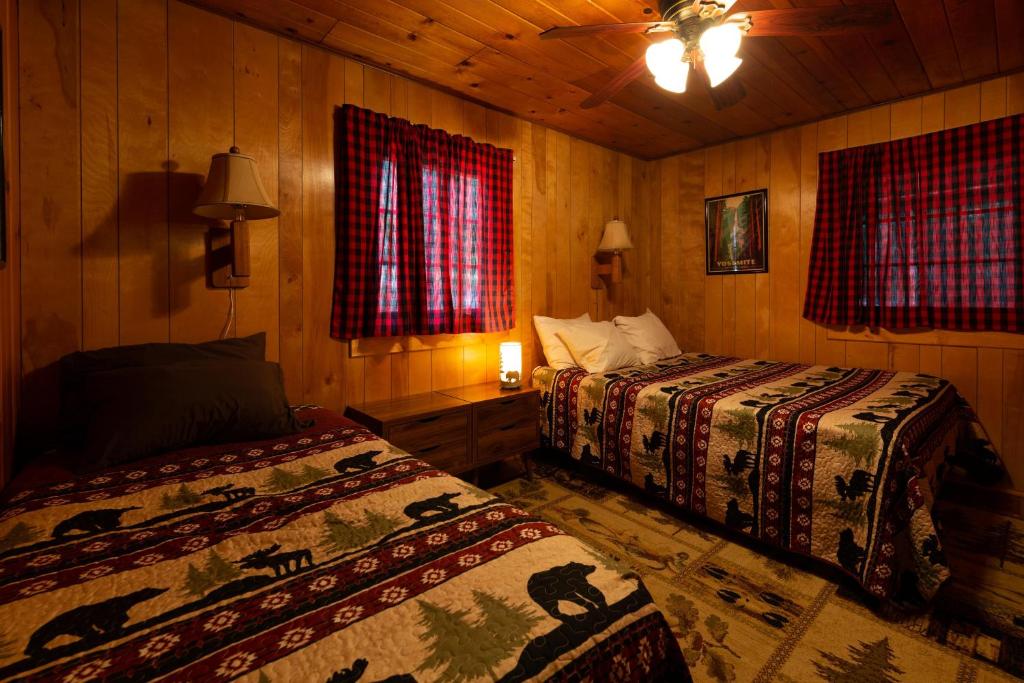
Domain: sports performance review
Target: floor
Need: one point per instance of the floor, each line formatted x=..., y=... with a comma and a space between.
x=743, y=615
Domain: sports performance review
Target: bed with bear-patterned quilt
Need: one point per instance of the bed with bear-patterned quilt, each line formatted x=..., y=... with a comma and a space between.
x=328, y=555
x=835, y=463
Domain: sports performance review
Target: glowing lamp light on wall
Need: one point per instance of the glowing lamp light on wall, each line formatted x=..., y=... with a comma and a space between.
x=510, y=369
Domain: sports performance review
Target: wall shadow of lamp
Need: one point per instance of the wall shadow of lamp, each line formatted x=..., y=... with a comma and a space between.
x=233, y=192
x=614, y=241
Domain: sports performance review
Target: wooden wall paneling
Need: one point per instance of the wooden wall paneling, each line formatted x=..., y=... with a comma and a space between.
x=531, y=167
x=687, y=265
x=256, y=133
x=808, y=202
x=933, y=112
x=143, y=253
x=50, y=202
x=323, y=85
x=100, y=321
x=1013, y=416
x=579, y=247
x=200, y=114
x=669, y=250
x=561, y=245
x=993, y=99
x=624, y=300
x=713, y=162
x=728, y=281
x=746, y=285
x=989, y=405
x=784, y=241
x=1015, y=94
x=963, y=106
x=10, y=273
x=289, y=201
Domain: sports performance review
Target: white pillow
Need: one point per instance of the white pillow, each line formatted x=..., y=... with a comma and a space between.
x=649, y=336
x=598, y=347
x=556, y=352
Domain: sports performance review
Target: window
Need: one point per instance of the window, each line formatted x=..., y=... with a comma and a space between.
x=463, y=281
x=924, y=232
x=424, y=230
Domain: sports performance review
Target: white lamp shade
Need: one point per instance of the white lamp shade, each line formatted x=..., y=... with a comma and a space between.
x=720, y=68
x=615, y=238
x=662, y=57
x=233, y=189
x=674, y=80
x=721, y=41
x=510, y=368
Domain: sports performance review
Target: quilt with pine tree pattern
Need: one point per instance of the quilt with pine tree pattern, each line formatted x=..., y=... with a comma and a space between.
x=839, y=464
x=329, y=555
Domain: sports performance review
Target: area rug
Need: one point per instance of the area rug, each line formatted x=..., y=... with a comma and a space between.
x=743, y=614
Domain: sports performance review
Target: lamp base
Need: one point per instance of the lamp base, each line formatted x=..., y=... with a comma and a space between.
x=612, y=270
x=227, y=256
x=517, y=385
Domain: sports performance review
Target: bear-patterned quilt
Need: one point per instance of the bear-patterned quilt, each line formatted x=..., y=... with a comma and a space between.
x=835, y=463
x=326, y=556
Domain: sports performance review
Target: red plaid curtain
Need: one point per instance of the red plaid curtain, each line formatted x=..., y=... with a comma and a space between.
x=424, y=230
x=922, y=232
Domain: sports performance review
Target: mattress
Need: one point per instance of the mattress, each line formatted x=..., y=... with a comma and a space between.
x=839, y=464
x=327, y=555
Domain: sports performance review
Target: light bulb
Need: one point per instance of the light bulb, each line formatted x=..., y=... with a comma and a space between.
x=674, y=80
x=665, y=55
x=721, y=41
x=720, y=68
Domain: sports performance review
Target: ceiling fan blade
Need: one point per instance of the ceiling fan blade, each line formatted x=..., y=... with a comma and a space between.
x=818, y=21
x=725, y=94
x=604, y=29
x=616, y=84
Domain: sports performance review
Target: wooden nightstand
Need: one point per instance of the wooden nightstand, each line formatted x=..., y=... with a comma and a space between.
x=458, y=429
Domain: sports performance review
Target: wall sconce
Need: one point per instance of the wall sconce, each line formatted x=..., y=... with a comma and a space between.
x=510, y=368
x=614, y=241
x=233, y=192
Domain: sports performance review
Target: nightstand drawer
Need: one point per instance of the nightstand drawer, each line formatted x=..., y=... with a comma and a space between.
x=429, y=430
x=500, y=412
x=451, y=456
x=515, y=435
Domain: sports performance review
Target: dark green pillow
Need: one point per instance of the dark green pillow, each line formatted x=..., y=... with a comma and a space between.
x=76, y=366
x=137, y=412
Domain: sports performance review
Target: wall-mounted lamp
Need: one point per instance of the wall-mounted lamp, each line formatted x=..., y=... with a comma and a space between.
x=233, y=192
x=510, y=371
x=614, y=241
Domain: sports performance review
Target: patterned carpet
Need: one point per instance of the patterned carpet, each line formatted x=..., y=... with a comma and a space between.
x=743, y=615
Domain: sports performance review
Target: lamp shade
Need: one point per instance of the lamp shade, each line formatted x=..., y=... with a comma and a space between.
x=616, y=237
x=233, y=190
x=510, y=356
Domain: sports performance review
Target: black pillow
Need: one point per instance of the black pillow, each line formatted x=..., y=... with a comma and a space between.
x=76, y=366
x=137, y=412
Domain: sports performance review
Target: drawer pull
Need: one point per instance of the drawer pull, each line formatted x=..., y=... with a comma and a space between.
x=429, y=448
x=509, y=427
x=507, y=401
x=426, y=420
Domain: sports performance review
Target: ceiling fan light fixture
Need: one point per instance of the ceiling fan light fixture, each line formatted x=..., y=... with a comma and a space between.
x=721, y=41
x=664, y=56
x=720, y=68
x=674, y=79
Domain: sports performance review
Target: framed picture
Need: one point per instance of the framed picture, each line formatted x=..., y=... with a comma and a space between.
x=736, y=229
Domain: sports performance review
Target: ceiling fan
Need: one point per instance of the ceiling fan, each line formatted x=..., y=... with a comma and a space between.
x=707, y=35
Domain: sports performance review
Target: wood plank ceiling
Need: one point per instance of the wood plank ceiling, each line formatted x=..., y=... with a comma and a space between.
x=488, y=50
